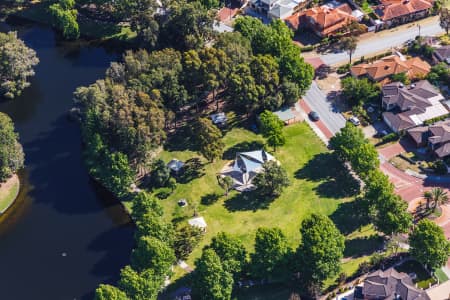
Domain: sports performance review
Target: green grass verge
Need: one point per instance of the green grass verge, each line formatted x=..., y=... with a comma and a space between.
x=441, y=276
x=7, y=197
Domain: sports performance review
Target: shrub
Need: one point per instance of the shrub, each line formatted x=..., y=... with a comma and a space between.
x=164, y=193
x=343, y=69
x=439, y=167
x=390, y=137
x=308, y=48
x=434, y=120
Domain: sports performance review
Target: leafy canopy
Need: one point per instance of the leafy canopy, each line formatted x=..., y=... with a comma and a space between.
x=429, y=245
x=320, y=250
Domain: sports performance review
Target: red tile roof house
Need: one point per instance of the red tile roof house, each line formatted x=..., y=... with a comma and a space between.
x=410, y=106
x=324, y=21
x=395, y=12
x=386, y=67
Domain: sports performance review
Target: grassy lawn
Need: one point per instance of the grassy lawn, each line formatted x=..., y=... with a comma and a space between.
x=88, y=27
x=8, y=195
x=441, y=275
x=319, y=184
x=423, y=279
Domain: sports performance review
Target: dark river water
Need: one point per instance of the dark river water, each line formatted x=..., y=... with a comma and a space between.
x=64, y=235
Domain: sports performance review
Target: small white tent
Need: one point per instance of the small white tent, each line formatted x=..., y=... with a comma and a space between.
x=198, y=222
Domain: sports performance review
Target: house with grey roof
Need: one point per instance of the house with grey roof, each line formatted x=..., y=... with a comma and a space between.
x=410, y=106
x=442, y=54
x=391, y=285
x=436, y=137
x=277, y=9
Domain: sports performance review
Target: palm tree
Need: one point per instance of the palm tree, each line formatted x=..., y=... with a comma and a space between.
x=428, y=196
x=438, y=197
x=349, y=44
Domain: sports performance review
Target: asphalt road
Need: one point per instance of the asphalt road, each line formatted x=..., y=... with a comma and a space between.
x=317, y=101
x=384, y=40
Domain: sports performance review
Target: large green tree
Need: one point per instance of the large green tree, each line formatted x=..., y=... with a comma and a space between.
x=140, y=286
x=276, y=40
x=364, y=159
x=16, y=65
x=143, y=203
x=109, y=292
x=211, y=280
x=346, y=140
x=189, y=25
x=359, y=91
x=390, y=215
x=272, y=129
x=11, y=152
x=236, y=47
x=65, y=18
x=429, y=244
x=214, y=70
x=271, y=253
x=152, y=253
x=209, y=139
x=186, y=238
x=387, y=210
x=321, y=249
x=231, y=251
x=272, y=180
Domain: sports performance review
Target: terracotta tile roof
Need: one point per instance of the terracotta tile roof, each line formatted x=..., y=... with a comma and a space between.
x=417, y=67
x=326, y=20
x=225, y=13
x=294, y=20
x=391, y=9
x=390, y=65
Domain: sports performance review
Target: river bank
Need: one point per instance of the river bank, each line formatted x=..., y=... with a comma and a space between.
x=9, y=191
x=89, y=28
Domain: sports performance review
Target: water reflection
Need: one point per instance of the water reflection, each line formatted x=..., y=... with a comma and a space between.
x=65, y=234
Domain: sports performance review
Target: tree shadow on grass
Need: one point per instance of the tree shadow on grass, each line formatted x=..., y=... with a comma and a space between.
x=193, y=168
x=336, y=179
x=363, y=246
x=181, y=140
x=230, y=153
x=350, y=216
x=210, y=198
x=247, y=201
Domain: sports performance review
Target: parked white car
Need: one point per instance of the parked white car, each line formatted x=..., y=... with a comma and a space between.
x=354, y=120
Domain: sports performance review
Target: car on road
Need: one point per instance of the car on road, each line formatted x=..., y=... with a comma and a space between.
x=314, y=116
x=354, y=120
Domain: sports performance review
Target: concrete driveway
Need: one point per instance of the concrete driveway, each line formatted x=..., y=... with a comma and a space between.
x=384, y=40
x=328, y=113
